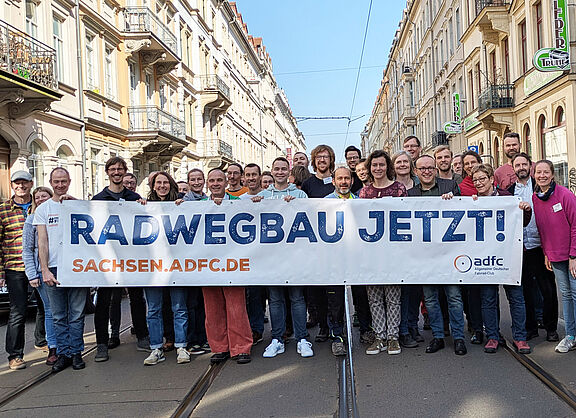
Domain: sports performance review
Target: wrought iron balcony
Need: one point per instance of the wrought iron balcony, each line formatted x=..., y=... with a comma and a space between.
x=26, y=57
x=218, y=148
x=213, y=83
x=482, y=4
x=496, y=96
x=141, y=19
x=150, y=119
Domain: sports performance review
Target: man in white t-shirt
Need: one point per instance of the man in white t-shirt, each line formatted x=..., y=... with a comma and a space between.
x=252, y=177
x=67, y=303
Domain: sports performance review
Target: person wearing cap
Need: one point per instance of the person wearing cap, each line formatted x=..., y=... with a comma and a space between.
x=12, y=217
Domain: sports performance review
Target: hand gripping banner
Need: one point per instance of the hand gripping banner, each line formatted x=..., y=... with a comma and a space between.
x=302, y=242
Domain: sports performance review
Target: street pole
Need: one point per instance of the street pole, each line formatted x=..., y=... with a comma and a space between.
x=350, y=361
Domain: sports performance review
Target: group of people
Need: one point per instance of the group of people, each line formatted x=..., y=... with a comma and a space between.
x=228, y=321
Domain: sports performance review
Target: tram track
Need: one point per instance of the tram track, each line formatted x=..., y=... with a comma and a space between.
x=197, y=391
x=34, y=381
x=560, y=389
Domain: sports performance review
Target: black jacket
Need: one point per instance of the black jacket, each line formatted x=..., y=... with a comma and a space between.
x=512, y=188
x=444, y=186
x=127, y=195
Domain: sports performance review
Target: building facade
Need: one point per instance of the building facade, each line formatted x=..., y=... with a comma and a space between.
x=481, y=50
x=168, y=85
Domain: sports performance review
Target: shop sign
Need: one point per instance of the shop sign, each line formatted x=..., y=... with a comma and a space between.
x=557, y=58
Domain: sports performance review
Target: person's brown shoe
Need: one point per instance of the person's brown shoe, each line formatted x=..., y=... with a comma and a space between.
x=52, y=357
x=17, y=364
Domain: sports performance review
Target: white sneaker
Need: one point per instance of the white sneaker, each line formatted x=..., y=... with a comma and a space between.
x=155, y=357
x=183, y=355
x=568, y=343
x=276, y=347
x=304, y=348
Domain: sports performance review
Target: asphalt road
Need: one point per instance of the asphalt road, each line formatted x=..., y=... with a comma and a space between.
x=410, y=384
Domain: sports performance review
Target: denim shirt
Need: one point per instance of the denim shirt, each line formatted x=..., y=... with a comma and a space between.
x=531, y=234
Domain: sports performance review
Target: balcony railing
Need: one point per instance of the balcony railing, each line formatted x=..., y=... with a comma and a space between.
x=26, y=57
x=496, y=96
x=219, y=148
x=482, y=4
x=212, y=82
x=141, y=19
x=150, y=118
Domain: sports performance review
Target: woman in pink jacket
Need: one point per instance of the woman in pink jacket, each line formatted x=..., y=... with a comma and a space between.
x=555, y=213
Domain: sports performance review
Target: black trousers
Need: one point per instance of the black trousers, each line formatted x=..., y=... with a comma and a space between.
x=196, y=317
x=17, y=284
x=336, y=309
x=535, y=273
x=40, y=329
x=317, y=305
x=473, y=306
x=362, y=307
x=102, y=314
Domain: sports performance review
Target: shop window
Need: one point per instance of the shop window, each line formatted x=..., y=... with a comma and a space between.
x=555, y=148
x=527, y=140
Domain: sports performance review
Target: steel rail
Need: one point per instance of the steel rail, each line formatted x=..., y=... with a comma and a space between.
x=548, y=379
x=8, y=397
x=197, y=391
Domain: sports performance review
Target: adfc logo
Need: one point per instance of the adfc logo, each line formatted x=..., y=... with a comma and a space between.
x=463, y=263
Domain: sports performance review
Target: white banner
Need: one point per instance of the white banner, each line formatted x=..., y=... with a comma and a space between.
x=303, y=242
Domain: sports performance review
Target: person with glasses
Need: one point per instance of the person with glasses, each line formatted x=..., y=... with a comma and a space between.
x=430, y=185
x=412, y=146
x=319, y=186
x=353, y=155
x=483, y=179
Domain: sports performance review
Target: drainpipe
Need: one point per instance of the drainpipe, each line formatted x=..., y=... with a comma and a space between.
x=81, y=99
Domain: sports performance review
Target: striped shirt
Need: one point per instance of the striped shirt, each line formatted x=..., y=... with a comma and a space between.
x=11, y=226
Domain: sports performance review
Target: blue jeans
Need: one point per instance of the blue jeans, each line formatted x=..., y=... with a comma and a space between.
x=255, y=308
x=455, y=310
x=178, y=297
x=409, y=306
x=48, y=320
x=277, y=305
x=67, y=305
x=491, y=312
x=567, y=284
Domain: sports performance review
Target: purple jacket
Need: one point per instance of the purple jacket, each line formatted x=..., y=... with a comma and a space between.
x=556, y=221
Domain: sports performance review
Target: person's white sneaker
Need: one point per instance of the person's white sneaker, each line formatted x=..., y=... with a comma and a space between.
x=276, y=347
x=568, y=343
x=183, y=355
x=155, y=357
x=304, y=348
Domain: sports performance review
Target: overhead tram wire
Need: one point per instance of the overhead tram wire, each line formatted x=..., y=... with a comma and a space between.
x=328, y=70
x=358, y=73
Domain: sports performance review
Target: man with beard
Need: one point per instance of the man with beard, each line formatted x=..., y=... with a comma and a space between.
x=353, y=155
x=235, y=175
x=319, y=186
x=342, y=180
x=443, y=157
x=255, y=294
x=505, y=176
x=300, y=158
x=534, y=271
x=116, y=169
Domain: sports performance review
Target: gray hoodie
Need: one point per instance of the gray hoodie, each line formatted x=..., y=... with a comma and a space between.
x=273, y=193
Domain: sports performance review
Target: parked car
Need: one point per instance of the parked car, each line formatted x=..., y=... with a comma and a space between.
x=5, y=301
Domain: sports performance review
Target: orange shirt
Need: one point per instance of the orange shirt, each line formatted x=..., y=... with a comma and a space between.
x=238, y=193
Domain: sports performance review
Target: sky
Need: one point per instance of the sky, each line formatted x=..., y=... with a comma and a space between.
x=306, y=37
